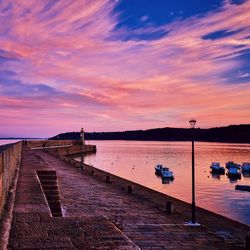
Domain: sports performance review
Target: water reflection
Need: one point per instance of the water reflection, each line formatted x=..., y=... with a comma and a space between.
x=163, y=180
x=233, y=180
x=158, y=175
x=166, y=181
x=215, y=176
x=135, y=160
x=246, y=174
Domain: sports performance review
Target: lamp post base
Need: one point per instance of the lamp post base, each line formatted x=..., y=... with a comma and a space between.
x=191, y=224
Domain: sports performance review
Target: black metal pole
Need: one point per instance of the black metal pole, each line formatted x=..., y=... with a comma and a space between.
x=81, y=156
x=193, y=181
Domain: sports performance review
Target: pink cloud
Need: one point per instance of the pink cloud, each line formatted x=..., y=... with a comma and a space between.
x=112, y=84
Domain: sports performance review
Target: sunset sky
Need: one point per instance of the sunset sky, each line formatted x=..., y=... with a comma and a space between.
x=113, y=65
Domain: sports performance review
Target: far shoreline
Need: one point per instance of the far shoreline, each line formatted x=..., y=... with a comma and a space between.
x=229, y=134
x=235, y=142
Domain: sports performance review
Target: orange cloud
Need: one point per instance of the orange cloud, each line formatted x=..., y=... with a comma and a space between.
x=68, y=47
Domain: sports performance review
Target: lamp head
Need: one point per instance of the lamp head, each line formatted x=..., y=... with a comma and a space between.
x=192, y=123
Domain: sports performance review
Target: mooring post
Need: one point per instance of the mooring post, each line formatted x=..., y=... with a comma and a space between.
x=108, y=179
x=169, y=207
x=130, y=189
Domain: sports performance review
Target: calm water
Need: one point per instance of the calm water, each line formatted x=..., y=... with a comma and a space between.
x=135, y=160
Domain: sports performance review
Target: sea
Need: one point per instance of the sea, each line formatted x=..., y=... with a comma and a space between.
x=136, y=161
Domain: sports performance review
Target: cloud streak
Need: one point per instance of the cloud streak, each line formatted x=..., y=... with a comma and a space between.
x=66, y=63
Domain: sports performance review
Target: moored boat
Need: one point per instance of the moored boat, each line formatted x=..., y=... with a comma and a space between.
x=232, y=164
x=158, y=169
x=216, y=168
x=166, y=174
x=245, y=167
x=234, y=172
x=242, y=187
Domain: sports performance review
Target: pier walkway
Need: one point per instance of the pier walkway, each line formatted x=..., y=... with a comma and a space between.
x=96, y=215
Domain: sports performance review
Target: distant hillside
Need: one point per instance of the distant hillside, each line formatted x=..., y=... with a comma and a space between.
x=232, y=133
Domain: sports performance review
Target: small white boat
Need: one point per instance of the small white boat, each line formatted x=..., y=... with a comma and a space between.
x=232, y=164
x=158, y=169
x=166, y=174
x=216, y=168
x=234, y=172
x=245, y=167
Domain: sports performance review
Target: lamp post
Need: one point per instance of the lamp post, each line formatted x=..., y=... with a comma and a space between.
x=82, y=143
x=192, y=123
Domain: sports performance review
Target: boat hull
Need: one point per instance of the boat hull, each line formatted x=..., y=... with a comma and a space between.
x=234, y=175
x=167, y=177
x=242, y=188
x=218, y=171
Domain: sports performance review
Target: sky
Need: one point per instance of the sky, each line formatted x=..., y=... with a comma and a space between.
x=114, y=65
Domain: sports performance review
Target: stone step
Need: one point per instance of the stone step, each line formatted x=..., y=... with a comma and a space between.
x=57, y=214
x=53, y=197
x=46, y=172
x=55, y=210
x=51, y=192
x=50, y=187
x=54, y=203
x=47, y=177
x=48, y=182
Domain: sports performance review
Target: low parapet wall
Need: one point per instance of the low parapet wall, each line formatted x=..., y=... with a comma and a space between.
x=73, y=150
x=9, y=161
x=61, y=147
x=50, y=143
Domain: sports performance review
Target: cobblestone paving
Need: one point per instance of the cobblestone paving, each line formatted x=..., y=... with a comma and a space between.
x=33, y=227
x=141, y=221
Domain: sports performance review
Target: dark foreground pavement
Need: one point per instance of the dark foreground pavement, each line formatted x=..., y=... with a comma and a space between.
x=96, y=215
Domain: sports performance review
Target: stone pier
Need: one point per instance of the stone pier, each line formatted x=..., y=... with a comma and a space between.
x=101, y=214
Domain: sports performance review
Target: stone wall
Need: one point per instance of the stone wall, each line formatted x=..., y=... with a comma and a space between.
x=73, y=150
x=51, y=143
x=9, y=161
x=61, y=147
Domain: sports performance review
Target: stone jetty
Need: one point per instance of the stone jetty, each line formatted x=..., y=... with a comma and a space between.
x=55, y=204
